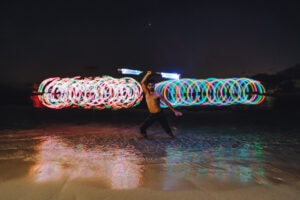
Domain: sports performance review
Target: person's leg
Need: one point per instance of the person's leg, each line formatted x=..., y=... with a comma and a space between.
x=147, y=122
x=165, y=125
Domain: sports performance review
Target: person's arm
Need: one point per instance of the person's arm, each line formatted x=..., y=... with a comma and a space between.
x=144, y=80
x=176, y=112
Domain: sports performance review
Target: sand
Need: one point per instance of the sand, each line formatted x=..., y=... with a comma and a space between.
x=106, y=158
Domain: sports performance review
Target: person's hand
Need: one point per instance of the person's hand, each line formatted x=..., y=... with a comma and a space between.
x=149, y=73
x=178, y=113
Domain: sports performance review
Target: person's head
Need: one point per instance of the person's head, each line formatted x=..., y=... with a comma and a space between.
x=150, y=84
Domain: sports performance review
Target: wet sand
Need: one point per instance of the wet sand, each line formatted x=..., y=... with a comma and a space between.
x=101, y=155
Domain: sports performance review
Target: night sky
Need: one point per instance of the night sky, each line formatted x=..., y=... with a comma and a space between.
x=199, y=40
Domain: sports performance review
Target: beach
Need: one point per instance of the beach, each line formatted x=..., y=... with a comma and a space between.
x=93, y=154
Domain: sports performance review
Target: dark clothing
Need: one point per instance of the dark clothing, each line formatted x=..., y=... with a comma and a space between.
x=152, y=117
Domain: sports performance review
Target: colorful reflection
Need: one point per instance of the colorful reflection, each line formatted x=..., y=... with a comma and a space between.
x=58, y=159
x=244, y=163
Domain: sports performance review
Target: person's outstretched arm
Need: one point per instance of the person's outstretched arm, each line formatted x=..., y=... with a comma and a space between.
x=176, y=112
x=144, y=80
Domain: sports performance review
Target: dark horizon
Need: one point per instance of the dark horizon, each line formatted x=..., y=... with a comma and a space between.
x=288, y=73
x=282, y=86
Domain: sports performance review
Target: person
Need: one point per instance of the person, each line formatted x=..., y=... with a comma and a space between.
x=153, y=103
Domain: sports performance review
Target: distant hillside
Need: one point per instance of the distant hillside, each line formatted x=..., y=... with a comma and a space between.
x=285, y=77
x=292, y=73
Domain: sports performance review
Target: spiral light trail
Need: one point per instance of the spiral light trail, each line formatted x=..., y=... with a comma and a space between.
x=112, y=93
x=99, y=92
x=212, y=91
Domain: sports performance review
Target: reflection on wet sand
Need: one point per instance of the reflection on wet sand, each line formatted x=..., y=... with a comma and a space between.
x=219, y=160
x=62, y=158
x=57, y=159
x=217, y=155
x=124, y=163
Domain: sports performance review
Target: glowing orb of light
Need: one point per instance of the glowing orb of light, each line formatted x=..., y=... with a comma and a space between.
x=98, y=92
x=211, y=91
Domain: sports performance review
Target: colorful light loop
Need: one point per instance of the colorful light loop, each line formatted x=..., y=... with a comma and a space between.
x=99, y=92
x=112, y=93
x=212, y=91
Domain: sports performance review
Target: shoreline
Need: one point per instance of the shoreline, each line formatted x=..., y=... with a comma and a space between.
x=17, y=113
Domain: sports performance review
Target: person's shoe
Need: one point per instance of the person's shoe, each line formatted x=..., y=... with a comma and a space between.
x=144, y=135
x=171, y=135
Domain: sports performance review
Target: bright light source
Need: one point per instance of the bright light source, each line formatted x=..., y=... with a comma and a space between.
x=130, y=71
x=170, y=75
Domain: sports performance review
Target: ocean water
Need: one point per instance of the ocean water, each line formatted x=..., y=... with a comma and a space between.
x=102, y=154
